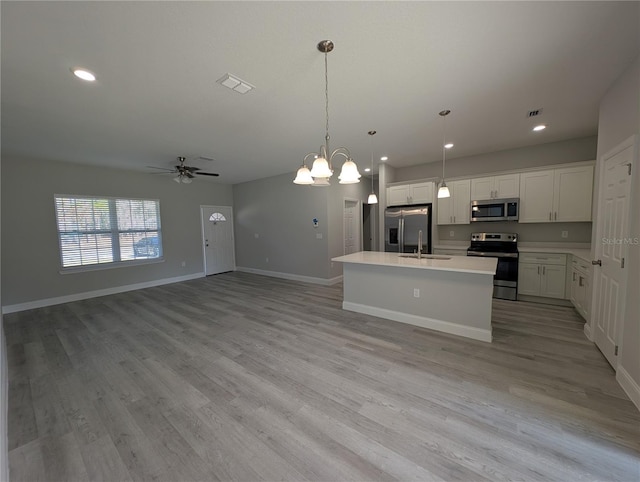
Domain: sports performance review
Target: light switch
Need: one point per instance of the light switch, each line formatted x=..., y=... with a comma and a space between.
x=318, y=235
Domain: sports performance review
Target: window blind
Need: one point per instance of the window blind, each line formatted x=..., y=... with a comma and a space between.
x=102, y=230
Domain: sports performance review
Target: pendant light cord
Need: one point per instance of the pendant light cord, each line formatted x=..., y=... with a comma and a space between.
x=444, y=140
x=326, y=100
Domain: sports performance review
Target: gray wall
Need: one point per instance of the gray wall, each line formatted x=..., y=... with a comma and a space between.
x=281, y=214
x=620, y=119
x=573, y=150
x=4, y=392
x=30, y=255
x=527, y=232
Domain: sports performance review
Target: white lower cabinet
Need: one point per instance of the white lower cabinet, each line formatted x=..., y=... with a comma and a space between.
x=541, y=274
x=581, y=287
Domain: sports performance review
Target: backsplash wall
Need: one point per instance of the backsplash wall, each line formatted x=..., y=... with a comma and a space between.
x=527, y=232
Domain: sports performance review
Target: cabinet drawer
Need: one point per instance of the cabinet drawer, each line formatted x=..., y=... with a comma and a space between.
x=450, y=252
x=580, y=265
x=543, y=258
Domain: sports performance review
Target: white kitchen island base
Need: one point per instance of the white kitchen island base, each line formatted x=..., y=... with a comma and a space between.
x=449, y=295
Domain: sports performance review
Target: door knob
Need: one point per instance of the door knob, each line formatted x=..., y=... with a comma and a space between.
x=596, y=262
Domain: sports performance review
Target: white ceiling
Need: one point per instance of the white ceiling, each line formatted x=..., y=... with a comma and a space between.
x=394, y=67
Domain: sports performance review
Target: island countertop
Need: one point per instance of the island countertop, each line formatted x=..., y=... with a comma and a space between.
x=461, y=264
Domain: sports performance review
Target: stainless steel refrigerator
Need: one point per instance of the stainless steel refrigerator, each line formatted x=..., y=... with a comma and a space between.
x=401, y=227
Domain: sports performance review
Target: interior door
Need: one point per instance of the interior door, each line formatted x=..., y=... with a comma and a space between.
x=217, y=238
x=612, y=230
x=351, y=227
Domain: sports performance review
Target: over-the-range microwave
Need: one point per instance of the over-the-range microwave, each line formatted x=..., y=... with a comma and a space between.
x=495, y=210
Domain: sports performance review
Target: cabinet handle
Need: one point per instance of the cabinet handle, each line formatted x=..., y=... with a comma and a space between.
x=555, y=216
x=543, y=270
x=454, y=219
x=538, y=269
x=574, y=276
x=549, y=215
x=580, y=281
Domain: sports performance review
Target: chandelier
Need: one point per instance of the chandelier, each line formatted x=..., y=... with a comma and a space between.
x=322, y=167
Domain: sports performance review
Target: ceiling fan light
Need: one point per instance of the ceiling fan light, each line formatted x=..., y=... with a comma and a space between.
x=303, y=176
x=349, y=173
x=320, y=169
x=186, y=180
x=177, y=179
x=373, y=199
x=443, y=192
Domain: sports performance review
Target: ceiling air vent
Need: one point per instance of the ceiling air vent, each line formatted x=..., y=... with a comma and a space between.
x=534, y=112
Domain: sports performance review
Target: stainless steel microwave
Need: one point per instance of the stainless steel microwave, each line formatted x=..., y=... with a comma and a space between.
x=495, y=210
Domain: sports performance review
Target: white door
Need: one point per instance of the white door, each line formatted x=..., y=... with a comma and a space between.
x=351, y=227
x=612, y=229
x=217, y=238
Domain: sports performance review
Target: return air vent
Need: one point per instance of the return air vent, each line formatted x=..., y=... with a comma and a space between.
x=534, y=112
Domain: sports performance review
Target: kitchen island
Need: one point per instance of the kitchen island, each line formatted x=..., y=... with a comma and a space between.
x=452, y=294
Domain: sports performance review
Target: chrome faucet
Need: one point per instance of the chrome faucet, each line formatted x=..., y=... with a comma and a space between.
x=420, y=244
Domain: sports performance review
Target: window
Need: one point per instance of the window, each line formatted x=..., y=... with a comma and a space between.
x=98, y=231
x=215, y=217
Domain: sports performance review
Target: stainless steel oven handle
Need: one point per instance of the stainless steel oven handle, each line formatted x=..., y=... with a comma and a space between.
x=492, y=255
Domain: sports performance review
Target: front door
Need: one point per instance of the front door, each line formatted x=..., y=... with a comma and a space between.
x=612, y=231
x=217, y=238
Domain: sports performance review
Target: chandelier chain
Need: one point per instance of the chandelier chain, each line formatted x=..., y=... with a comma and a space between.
x=326, y=96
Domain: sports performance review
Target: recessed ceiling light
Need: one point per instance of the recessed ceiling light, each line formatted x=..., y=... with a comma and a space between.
x=384, y=158
x=236, y=84
x=84, y=74
x=367, y=169
x=541, y=127
x=449, y=145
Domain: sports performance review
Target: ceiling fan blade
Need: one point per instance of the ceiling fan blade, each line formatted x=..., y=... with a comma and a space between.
x=192, y=169
x=207, y=174
x=162, y=168
x=188, y=174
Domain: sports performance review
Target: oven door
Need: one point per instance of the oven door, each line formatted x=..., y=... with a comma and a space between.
x=505, y=281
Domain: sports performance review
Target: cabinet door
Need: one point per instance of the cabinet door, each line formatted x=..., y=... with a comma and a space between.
x=536, y=197
x=573, y=189
x=445, y=209
x=397, y=195
x=461, y=196
x=553, y=281
x=482, y=188
x=507, y=186
x=421, y=193
x=575, y=295
x=529, y=279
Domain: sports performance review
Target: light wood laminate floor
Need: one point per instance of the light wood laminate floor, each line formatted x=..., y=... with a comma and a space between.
x=244, y=377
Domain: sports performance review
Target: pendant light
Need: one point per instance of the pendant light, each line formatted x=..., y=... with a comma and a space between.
x=443, y=191
x=373, y=199
x=322, y=169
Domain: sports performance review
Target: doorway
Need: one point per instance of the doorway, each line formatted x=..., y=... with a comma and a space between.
x=369, y=239
x=612, y=228
x=217, y=239
x=352, y=223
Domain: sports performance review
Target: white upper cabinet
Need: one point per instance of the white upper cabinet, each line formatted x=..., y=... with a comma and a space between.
x=419, y=193
x=456, y=209
x=495, y=187
x=556, y=195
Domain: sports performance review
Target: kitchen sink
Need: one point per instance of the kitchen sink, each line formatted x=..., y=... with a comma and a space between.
x=424, y=256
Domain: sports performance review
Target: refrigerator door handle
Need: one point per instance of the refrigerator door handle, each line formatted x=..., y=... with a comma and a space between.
x=401, y=235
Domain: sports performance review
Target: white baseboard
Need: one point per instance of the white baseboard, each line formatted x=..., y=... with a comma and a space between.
x=422, y=321
x=293, y=277
x=29, y=305
x=629, y=385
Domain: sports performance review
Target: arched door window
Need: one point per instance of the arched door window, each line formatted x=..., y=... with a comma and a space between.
x=215, y=217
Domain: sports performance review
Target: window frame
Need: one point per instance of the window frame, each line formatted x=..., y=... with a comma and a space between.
x=114, y=232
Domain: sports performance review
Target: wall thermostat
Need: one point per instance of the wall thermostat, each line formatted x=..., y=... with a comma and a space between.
x=315, y=223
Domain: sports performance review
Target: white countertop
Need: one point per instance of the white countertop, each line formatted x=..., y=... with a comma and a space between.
x=584, y=254
x=461, y=264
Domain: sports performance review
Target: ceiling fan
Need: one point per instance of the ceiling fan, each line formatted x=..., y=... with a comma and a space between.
x=185, y=173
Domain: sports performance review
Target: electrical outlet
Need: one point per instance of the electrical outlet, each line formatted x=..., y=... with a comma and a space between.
x=256, y=235
x=318, y=235
x=416, y=293
x=184, y=264
x=452, y=234
x=565, y=234
x=266, y=260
